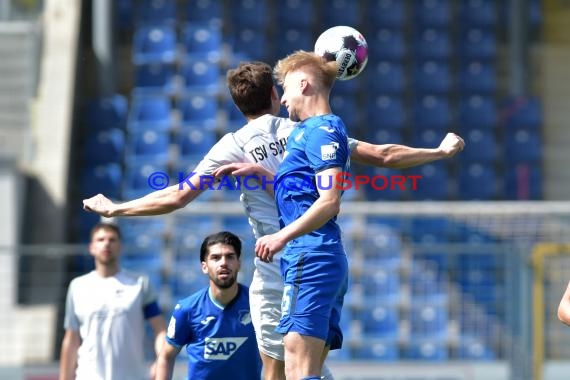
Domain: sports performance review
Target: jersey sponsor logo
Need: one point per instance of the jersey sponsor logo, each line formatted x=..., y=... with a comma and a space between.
x=328, y=152
x=171, y=331
x=222, y=348
x=207, y=320
x=244, y=317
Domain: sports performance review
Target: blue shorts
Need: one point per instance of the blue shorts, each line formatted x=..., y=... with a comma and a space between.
x=315, y=285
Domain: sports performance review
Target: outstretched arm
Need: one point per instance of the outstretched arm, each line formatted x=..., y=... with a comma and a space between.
x=397, y=156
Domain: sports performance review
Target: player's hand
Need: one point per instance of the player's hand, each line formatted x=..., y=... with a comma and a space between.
x=99, y=204
x=267, y=246
x=451, y=144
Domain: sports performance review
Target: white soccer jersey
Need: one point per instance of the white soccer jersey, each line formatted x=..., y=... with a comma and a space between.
x=108, y=313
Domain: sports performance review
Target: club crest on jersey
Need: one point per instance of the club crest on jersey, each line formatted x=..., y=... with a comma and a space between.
x=222, y=348
x=328, y=152
x=244, y=317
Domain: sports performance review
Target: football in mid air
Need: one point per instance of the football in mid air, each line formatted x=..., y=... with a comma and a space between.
x=345, y=45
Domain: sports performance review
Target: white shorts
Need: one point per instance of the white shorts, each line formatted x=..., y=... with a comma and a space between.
x=265, y=295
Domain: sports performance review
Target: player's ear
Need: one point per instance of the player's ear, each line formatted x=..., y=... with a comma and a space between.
x=204, y=267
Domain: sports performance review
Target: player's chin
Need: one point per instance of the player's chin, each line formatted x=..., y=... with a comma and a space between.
x=225, y=282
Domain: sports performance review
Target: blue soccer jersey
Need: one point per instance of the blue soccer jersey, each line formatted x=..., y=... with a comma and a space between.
x=220, y=341
x=318, y=143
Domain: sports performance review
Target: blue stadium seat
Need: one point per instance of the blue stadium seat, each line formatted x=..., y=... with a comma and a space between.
x=386, y=13
x=432, y=44
x=150, y=112
x=105, y=179
x=427, y=138
x=481, y=146
x=295, y=13
x=124, y=14
x=383, y=136
x=431, y=112
x=480, y=13
x=341, y=12
x=249, y=14
x=428, y=320
x=477, y=112
x=382, y=245
x=137, y=177
x=380, y=283
x=188, y=232
x=376, y=349
x=477, y=44
x=478, y=78
x=523, y=181
x=201, y=77
x=386, y=45
x=106, y=146
x=432, y=13
x=386, y=112
x=523, y=145
x=472, y=234
x=154, y=44
x=194, y=143
x=198, y=112
x=477, y=181
x=522, y=112
x=345, y=107
x=154, y=79
x=148, y=146
x=156, y=12
x=84, y=221
x=235, y=118
x=475, y=348
x=380, y=320
x=251, y=43
x=431, y=77
x=385, y=77
x=143, y=236
x=202, y=41
x=430, y=230
x=107, y=112
x=292, y=39
x=209, y=11
x=426, y=350
x=433, y=183
x=150, y=266
x=383, y=187
x=349, y=87
x=187, y=278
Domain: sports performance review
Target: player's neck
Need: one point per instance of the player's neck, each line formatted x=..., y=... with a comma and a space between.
x=106, y=270
x=316, y=106
x=223, y=296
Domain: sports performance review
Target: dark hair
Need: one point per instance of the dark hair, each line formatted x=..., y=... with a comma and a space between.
x=250, y=86
x=106, y=227
x=223, y=237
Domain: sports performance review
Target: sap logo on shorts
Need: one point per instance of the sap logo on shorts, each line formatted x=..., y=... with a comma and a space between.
x=328, y=152
x=222, y=348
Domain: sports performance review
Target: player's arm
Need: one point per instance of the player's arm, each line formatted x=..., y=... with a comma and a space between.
x=165, y=361
x=397, y=156
x=325, y=207
x=159, y=328
x=564, y=307
x=68, y=357
x=247, y=171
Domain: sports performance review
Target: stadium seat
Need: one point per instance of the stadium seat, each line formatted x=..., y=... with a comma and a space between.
x=154, y=44
x=432, y=13
x=428, y=320
x=295, y=13
x=477, y=44
x=478, y=77
x=430, y=230
x=431, y=77
x=477, y=112
x=149, y=266
x=383, y=136
x=148, y=146
x=384, y=77
x=386, y=13
x=426, y=350
x=106, y=146
x=201, y=77
x=235, y=118
x=198, y=112
x=194, y=143
x=376, y=350
x=432, y=44
x=143, y=236
x=251, y=43
x=477, y=181
x=104, y=178
x=521, y=112
x=188, y=232
x=202, y=41
x=380, y=282
x=386, y=184
x=84, y=221
x=249, y=14
x=137, y=177
x=388, y=45
x=475, y=348
x=150, y=112
x=155, y=79
x=427, y=138
x=479, y=13
x=124, y=14
x=292, y=39
x=379, y=320
x=523, y=181
x=386, y=112
x=433, y=183
x=382, y=245
x=431, y=112
x=107, y=112
x=341, y=12
x=523, y=145
x=481, y=146
x=156, y=12
x=187, y=278
x=209, y=11
x=345, y=107
x=427, y=280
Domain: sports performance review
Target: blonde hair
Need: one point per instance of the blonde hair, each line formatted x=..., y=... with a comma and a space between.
x=325, y=72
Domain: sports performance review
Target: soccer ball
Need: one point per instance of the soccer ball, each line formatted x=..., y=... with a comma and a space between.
x=347, y=47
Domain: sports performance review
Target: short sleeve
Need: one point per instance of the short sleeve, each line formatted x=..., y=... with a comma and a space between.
x=327, y=147
x=225, y=151
x=150, y=299
x=352, y=143
x=70, y=321
x=179, y=331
